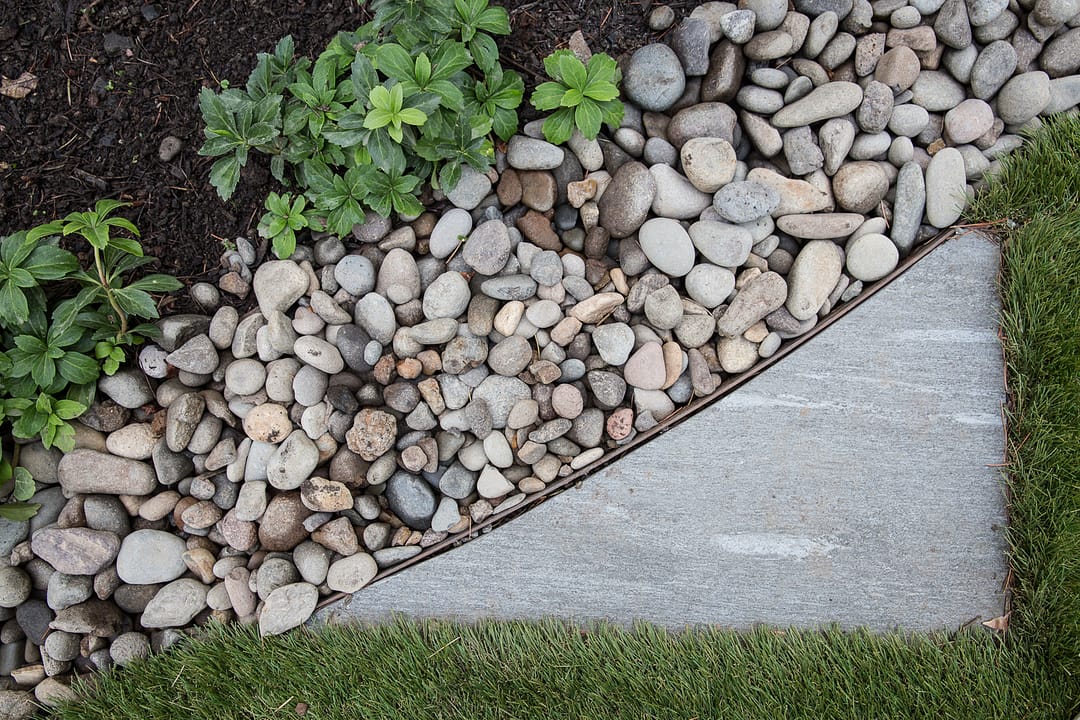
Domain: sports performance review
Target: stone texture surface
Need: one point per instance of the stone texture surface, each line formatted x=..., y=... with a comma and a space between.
x=855, y=490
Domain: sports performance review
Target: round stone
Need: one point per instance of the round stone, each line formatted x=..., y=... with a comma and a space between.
x=349, y=574
x=15, y=587
x=871, y=257
x=151, y=556
x=653, y=78
x=812, y=277
x=667, y=245
x=946, y=185
x=709, y=285
x=720, y=243
x=1023, y=97
x=268, y=423
x=860, y=186
x=245, y=377
x=355, y=274
x=968, y=121
x=709, y=163
x=645, y=369
x=488, y=247
x=614, y=342
x=447, y=297
x=449, y=232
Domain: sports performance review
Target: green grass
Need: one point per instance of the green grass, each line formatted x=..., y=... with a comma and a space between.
x=550, y=670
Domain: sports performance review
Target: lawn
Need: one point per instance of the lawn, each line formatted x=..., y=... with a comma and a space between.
x=547, y=669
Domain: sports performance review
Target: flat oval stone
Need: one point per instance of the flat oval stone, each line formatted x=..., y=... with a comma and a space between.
x=812, y=277
x=488, y=247
x=756, y=299
x=743, y=202
x=723, y=244
x=828, y=101
x=89, y=471
x=526, y=153
x=667, y=245
x=449, y=232
x=968, y=121
x=1023, y=97
x=653, y=78
x=946, y=184
x=676, y=197
x=871, y=257
x=820, y=226
x=628, y=199
x=151, y=556
x=319, y=354
x=645, y=368
x=75, y=551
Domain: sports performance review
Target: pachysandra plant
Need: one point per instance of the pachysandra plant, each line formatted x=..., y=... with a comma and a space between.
x=285, y=216
x=57, y=341
x=581, y=96
x=410, y=98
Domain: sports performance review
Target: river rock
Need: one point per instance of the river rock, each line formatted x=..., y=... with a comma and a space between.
x=946, y=182
x=175, y=605
x=653, y=78
x=828, y=101
x=626, y=203
x=151, y=556
x=287, y=607
x=667, y=245
x=812, y=277
x=90, y=471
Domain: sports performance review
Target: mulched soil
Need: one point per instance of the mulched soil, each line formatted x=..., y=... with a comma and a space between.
x=116, y=77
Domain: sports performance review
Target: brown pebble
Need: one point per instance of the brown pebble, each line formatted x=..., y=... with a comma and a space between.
x=537, y=229
x=178, y=511
x=409, y=368
x=424, y=224
x=509, y=188
x=401, y=536
x=620, y=424
x=384, y=370
x=338, y=535
x=430, y=361
x=201, y=562
x=413, y=458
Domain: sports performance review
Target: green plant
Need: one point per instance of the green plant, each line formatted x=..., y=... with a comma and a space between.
x=284, y=217
x=62, y=326
x=582, y=97
x=411, y=97
x=21, y=489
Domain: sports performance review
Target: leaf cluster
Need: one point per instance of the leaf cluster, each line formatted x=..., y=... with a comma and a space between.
x=411, y=97
x=62, y=325
x=585, y=97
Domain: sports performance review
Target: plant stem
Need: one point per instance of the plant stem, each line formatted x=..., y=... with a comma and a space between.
x=109, y=294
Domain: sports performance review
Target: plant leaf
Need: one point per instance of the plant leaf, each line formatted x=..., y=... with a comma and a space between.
x=78, y=368
x=394, y=62
x=14, y=309
x=225, y=175
x=24, y=484
x=548, y=96
x=572, y=71
x=588, y=118
x=19, y=511
x=47, y=262
x=559, y=126
x=136, y=302
x=156, y=283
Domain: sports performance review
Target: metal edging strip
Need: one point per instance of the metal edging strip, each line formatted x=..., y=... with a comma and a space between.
x=666, y=424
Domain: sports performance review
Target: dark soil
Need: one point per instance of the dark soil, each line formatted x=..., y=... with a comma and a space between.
x=116, y=77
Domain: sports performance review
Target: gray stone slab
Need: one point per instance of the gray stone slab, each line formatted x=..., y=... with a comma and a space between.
x=850, y=483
